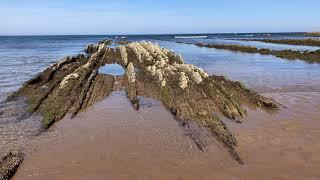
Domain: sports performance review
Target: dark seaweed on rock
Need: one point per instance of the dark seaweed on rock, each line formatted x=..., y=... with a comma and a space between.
x=304, y=42
x=187, y=91
x=308, y=56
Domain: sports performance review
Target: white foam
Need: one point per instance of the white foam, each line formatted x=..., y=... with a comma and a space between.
x=190, y=37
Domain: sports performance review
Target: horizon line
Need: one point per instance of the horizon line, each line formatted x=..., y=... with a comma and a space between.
x=141, y=34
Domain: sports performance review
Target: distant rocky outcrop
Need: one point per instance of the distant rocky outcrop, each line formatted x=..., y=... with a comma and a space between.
x=290, y=54
x=194, y=97
x=315, y=34
x=303, y=42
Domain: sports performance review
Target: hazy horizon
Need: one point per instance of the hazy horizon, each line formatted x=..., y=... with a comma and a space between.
x=106, y=34
x=98, y=17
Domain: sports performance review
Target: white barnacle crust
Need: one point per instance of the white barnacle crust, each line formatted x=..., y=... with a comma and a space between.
x=87, y=65
x=202, y=73
x=180, y=58
x=196, y=74
x=162, y=81
x=130, y=73
x=152, y=69
x=124, y=55
x=59, y=63
x=159, y=75
x=183, y=80
x=101, y=47
x=140, y=52
x=62, y=61
x=170, y=69
x=161, y=63
x=196, y=77
x=65, y=79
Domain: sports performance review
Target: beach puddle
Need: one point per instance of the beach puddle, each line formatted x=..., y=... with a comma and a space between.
x=112, y=69
x=113, y=141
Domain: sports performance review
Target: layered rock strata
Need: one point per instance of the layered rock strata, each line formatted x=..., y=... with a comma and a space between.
x=194, y=97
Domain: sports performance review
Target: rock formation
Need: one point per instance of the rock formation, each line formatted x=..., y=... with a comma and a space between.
x=308, y=56
x=188, y=92
x=303, y=42
x=9, y=165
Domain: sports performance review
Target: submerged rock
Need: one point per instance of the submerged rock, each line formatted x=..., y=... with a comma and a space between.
x=151, y=71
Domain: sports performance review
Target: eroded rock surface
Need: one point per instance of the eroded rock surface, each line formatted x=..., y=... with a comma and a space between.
x=9, y=164
x=195, y=98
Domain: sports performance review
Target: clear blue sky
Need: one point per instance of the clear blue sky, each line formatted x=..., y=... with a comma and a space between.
x=21, y=17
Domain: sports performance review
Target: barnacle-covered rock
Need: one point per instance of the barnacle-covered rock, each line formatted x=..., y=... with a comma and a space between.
x=124, y=55
x=187, y=91
x=183, y=80
x=102, y=45
x=130, y=73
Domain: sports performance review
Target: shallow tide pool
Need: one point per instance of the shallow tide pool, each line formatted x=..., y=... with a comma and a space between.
x=112, y=69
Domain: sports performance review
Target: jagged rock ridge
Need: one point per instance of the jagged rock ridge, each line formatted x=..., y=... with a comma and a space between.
x=188, y=92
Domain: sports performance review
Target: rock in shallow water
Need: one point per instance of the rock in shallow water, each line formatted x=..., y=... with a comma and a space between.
x=151, y=71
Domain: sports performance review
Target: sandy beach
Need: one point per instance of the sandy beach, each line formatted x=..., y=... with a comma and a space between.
x=112, y=141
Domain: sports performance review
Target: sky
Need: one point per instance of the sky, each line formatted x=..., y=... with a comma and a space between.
x=63, y=17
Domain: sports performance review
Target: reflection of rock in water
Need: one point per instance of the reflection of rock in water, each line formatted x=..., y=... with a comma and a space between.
x=190, y=94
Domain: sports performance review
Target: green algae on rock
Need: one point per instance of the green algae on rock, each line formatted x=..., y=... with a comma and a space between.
x=304, y=42
x=188, y=92
x=308, y=56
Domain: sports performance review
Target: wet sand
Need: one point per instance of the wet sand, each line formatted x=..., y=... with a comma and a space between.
x=112, y=141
